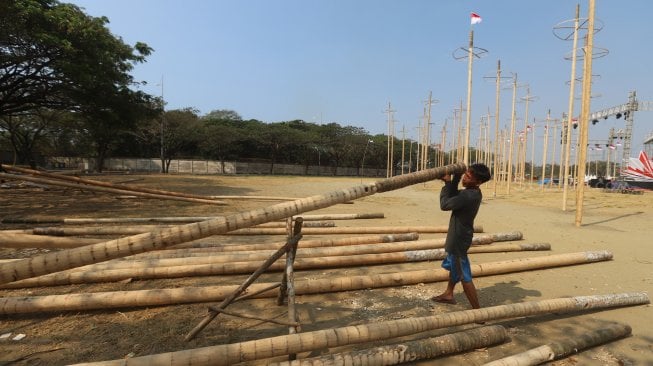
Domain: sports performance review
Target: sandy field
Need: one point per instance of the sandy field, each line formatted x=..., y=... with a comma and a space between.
x=619, y=223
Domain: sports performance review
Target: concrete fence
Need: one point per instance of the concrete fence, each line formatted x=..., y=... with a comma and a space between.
x=187, y=166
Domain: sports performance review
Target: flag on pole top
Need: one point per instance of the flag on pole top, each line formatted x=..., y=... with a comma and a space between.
x=476, y=18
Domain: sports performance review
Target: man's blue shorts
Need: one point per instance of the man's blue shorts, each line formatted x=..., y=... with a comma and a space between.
x=456, y=264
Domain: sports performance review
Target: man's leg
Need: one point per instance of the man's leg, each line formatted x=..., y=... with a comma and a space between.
x=470, y=292
x=447, y=296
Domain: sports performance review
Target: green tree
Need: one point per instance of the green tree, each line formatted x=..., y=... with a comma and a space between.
x=27, y=131
x=182, y=132
x=55, y=56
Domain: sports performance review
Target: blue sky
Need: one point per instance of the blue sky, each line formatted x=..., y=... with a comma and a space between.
x=343, y=61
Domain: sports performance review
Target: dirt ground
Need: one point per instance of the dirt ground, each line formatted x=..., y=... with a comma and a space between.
x=620, y=223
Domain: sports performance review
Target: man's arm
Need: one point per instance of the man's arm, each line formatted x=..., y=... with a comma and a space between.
x=449, y=198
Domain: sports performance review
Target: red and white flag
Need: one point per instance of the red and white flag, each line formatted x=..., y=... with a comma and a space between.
x=476, y=18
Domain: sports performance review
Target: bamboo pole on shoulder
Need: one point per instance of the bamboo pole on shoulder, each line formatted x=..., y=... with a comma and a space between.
x=71, y=258
x=566, y=347
x=352, y=230
x=411, y=351
x=229, y=354
x=55, y=182
x=139, y=298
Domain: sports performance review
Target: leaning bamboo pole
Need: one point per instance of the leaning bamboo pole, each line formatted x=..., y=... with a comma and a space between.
x=18, y=240
x=171, y=219
x=211, y=266
x=90, y=182
x=564, y=348
x=71, y=258
x=229, y=354
x=120, y=299
x=350, y=240
x=411, y=351
x=60, y=183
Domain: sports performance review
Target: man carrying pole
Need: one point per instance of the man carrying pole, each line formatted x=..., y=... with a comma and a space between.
x=464, y=205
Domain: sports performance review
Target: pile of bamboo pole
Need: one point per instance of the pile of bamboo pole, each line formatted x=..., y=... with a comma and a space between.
x=118, y=248
x=139, y=298
x=229, y=354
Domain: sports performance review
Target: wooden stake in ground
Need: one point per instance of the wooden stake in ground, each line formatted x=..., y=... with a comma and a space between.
x=411, y=351
x=229, y=354
x=564, y=348
x=214, y=311
x=71, y=258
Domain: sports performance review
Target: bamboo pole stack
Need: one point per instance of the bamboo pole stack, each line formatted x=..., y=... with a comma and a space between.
x=119, y=299
x=57, y=182
x=208, y=266
x=229, y=354
x=76, y=257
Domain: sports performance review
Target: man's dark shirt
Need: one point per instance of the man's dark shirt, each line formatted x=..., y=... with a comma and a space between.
x=464, y=205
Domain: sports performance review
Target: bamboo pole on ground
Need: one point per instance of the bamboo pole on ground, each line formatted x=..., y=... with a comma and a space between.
x=120, y=299
x=71, y=258
x=163, y=220
x=228, y=354
x=107, y=189
x=564, y=348
x=351, y=240
x=97, y=183
x=219, y=267
x=139, y=229
x=353, y=230
x=17, y=240
x=478, y=246
x=258, y=255
x=411, y=351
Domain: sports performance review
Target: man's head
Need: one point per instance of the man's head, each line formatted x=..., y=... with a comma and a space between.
x=476, y=175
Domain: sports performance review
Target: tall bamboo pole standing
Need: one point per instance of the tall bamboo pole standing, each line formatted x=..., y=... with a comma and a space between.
x=585, y=113
x=496, y=129
x=443, y=143
x=528, y=98
x=511, y=137
x=470, y=62
x=545, y=147
x=403, y=147
x=553, y=155
x=533, y=150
